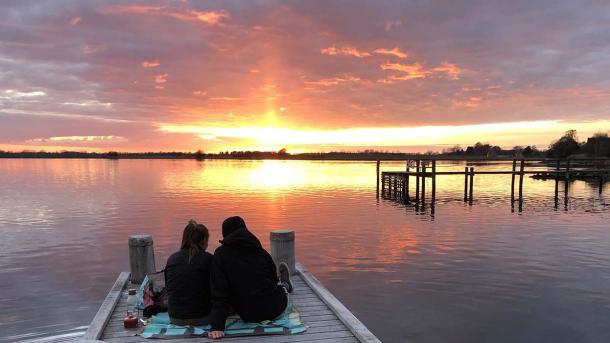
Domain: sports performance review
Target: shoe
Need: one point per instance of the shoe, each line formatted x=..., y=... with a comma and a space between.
x=284, y=274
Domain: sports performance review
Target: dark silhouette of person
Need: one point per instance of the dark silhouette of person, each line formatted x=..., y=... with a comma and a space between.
x=244, y=278
x=187, y=278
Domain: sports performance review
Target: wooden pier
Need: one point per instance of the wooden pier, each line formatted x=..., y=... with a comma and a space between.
x=395, y=184
x=326, y=318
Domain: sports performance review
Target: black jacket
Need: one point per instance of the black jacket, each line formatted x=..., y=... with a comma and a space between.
x=244, y=277
x=188, y=284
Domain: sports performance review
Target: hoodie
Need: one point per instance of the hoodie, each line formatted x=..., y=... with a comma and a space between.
x=244, y=278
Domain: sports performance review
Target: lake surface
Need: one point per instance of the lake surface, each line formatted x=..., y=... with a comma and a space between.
x=479, y=273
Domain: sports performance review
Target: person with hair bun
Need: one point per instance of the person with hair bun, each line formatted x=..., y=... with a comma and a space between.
x=187, y=278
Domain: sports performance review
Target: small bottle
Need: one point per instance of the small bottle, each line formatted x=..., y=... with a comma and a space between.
x=131, y=300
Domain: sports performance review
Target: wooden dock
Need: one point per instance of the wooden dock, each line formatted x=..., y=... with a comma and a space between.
x=326, y=318
x=395, y=185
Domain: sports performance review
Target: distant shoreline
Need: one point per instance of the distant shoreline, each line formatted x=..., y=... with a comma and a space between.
x=332, y=156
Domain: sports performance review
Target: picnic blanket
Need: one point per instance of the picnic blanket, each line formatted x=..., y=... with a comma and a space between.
x=288, y=323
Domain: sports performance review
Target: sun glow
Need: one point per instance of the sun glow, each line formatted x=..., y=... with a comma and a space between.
x=535, y=132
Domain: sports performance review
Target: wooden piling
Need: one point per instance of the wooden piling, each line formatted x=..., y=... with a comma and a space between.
x=407, y=200
x=557, y=183
x=512, y=183
x=471, y=186
x=465, y=184
x=282, y=248
x=378, y=166
x=423, y=184
x=521, y=174
x=566, y=189
x=141, y=257
x=417, y=182
x=433, y=182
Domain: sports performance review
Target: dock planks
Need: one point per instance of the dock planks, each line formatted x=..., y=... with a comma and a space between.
x=326, y=318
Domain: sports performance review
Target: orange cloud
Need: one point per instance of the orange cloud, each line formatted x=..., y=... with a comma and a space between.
x=346, y=51
x=208, y=17
x=334, y=81
x=412, y=71
x=451, y=69
x=150, y=64
x=416, y=70
x=394, y=52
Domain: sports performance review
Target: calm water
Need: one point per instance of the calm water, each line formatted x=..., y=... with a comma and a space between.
x=476, y=273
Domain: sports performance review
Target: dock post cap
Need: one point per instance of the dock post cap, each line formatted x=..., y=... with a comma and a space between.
x=140, y=240
x=282, y=248
x=282, y=235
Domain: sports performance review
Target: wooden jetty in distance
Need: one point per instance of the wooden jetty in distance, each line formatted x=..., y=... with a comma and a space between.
x=326, y=318
x=395, y=185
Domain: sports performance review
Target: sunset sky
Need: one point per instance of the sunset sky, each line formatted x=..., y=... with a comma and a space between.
x=301, y=75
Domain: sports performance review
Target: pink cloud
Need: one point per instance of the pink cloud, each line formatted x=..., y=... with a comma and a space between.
x=160, y=81
x=75, y=21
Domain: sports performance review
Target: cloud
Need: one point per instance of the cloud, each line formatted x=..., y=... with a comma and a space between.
x=75, y=21
x=334, y=81
x=160, y=81
x=394, y=52
x=345, y=51
x=79, y=139
x=446, y=66
x=14, y=94
x=150, y=64
x=208, y=17
x=416, y=70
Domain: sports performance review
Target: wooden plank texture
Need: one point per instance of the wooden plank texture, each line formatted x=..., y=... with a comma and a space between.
x=103, y=315
x=324, y=318
x=357, y=328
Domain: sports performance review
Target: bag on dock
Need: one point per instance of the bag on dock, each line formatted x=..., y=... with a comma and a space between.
x=152, y=291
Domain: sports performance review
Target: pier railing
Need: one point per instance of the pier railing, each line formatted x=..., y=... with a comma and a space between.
x=396, y=185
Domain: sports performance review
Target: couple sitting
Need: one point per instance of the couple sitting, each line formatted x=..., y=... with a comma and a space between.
x=240, y=277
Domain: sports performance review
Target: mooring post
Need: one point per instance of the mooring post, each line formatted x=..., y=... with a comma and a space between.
x=417, y=182
x=557, y=183
x=395, y=186
x=407, y=184
x=465, y=184
x=521, y=174
x=141, y=257
x=423, y=184
x=471, y=185
x=567, y=184
x=282, y=248
x=378, y=165
x=433, y=182
x=512, y=183
x=601, y=183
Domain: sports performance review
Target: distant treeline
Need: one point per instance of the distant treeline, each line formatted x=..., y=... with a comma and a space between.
x=567, y=146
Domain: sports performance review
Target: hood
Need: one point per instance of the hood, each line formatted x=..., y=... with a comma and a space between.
x=242, y=239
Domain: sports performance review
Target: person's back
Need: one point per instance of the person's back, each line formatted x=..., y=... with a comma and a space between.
x=188, y=285
x=244, y=277
x=187, y=278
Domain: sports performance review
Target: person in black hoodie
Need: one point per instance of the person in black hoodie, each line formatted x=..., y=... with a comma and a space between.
x=244, y=278
x=187, y=278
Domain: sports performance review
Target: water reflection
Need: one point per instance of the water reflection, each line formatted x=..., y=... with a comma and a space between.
x=473, y=273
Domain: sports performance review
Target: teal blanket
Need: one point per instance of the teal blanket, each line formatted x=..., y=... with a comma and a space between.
x=288, y=323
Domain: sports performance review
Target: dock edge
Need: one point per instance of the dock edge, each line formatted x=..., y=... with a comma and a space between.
x=98, y=324
x=362, y=333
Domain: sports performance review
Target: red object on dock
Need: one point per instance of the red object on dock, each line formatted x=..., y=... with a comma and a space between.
x=130, y=321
